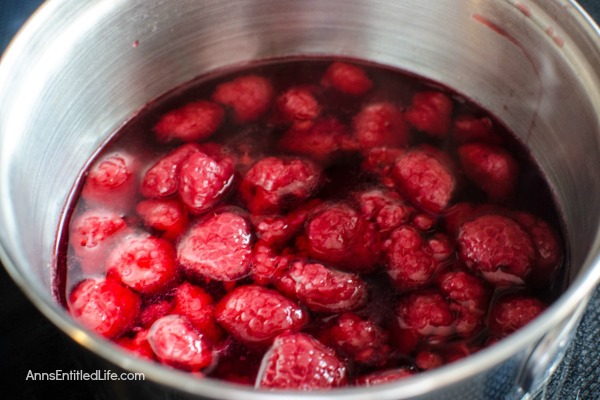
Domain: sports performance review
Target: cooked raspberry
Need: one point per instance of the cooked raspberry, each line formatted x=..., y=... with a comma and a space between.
x=386, y=376
x=347, y=78
x=430, y=112
x=256, y=315
x=144, y=264
x=410, y=261
x=497, y=247
x=322, y=141
x=193, y=122
x=468, y=128
x=104, y=306
x=153, y=311
x=463, y=212
x=512, y=312
x=427, y=360
x=276, y=184
x=177, y=343
x=167, y=216
x=298, y=104
x=423, y=315
x=424, y=177
x=111, y=181
x=162, y=179
x=138, y=345
x=249, y=96
x=440, y=247
x=423, y=222
x=275, y=230
x=204, y=181
x=547, y=245
x=300, y=362
x=437, y=356
x=218, y=248
x=341, y=236
x=266, y=266
x=322, y=289
x=359, y=339
x=379, y=161
x=491, y=168
x=385, y=207
x=379, y=125
x=91, y=235
x=197, y=305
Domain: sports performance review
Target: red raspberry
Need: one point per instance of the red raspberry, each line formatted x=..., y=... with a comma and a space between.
x=379, y=125
x=341, y=236
x=497, y=247
x=162, y=179
x=423, y=222
x=430, y=113
x=547, y=245
x=249, y=96
x=204, y=181
x=435, y=357
x=111, y=181
x=347, y=78
x=512, y=312
x=468, y=128
x=322, y=141
x=322, y=289
x=424, y=177
x=144, y=264
x=463, y=212
x=193, y=122
x=276, y=184
x=256, y=315
x=298, y=105
x=267, y=266
x=104, y=306
x=300, y=362
x=423, y=316
x=138, y=345
x=177, y=343
x=384, y=207
x=410, y=262
x=381, y=377
x=197, y=305
x=153, y=311
x=166, y=216
x=491, y=168
x=91, y=235
x=218, y=247
x=359, y=339
x=427, y=360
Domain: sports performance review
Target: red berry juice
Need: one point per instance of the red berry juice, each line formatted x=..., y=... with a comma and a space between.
x=380, y=223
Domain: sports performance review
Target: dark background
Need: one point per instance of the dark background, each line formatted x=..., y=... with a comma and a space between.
x=29, y=341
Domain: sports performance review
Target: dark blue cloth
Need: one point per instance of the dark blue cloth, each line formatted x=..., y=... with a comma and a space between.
x=577, y=377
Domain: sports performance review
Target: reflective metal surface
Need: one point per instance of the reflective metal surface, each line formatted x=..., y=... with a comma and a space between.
x=80, y=69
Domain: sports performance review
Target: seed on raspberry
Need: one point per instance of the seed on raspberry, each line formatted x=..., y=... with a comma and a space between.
x=467, y=128
x=218, y=247
x=341, y=236
x=298, y=104
x=256, y=315
x=137, y=345
x=104, y=306
x=380, y=125
x=430, y=112
x=144, y=264
x=192, y=122
x=491, y=168
x=498, y=247
x=381, y=377
x=300, y=362
x=153, y=311
x=384, y=207
x=425, y=178
x=204, y=181
x=249, y=96
x=167, y=216
x=267, y=266
x=347, y=78
x=512, y=312
x=277, y=184
x=111, y=181
x=177, y=343
x=321, y=288
x=162, y=179
x=197, y=305
x=358, y=339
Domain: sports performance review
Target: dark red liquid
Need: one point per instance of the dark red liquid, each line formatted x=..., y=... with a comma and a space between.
x=344, y=173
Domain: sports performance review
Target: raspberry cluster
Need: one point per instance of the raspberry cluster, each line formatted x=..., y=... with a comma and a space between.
x=310, y=233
